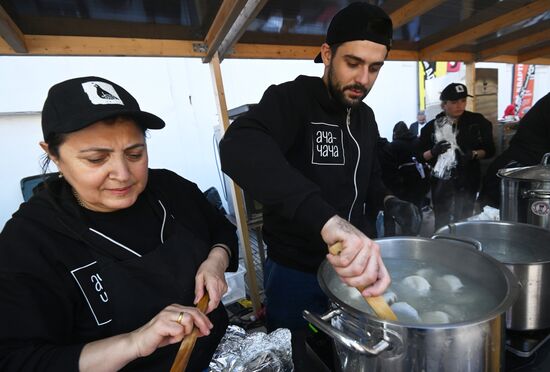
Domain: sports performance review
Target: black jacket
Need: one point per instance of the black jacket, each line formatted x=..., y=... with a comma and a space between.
x=295, y=154
x=532, y=139
x=44, y=317
x=474, y=132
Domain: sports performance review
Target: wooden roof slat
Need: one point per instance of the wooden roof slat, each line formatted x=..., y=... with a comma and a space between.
x=412, y=9
x=11, y=33
x=226, y=16
x=528, y=55
x=518, y=40
x=238, y=28
x=526, y=9
x=102, y=46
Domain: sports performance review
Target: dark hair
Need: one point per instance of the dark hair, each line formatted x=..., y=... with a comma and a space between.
x=334, y=49
x=55, y=140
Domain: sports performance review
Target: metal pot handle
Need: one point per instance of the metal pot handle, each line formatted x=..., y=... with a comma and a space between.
x=475, y=243
x=321, y=323
x=545, y=158
x=536, y=194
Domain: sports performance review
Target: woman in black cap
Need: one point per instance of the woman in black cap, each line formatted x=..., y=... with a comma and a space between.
x=453, y=143
x=100, y=269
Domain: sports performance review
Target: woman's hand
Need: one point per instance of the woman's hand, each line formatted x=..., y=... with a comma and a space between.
x=169, y=326
x=210, y=275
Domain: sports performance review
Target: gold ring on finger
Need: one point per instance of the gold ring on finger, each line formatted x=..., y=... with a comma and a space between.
x=180, y=317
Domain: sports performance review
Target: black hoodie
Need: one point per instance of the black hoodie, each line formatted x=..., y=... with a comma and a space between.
x=44, y=318
x=306, y=158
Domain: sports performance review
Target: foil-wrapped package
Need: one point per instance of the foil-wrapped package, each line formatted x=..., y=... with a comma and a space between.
x=254, y=352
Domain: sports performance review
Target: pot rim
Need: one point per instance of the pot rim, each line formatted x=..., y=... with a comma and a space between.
x=505, y=177
x=512, y=292
x=500, y=223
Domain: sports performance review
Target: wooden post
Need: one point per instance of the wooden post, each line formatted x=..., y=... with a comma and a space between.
x=236, y=192
x=471, y=85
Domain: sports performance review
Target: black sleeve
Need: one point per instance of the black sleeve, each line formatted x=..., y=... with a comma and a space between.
x=487, y=143
x=36, y=314
x=221, y=230
x=253, y=153
x=388, y=165
x=195, y=211
x=425, y=141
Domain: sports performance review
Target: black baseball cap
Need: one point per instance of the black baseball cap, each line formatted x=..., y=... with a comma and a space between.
x=453, y=92
x=359, y=21
x=76, y=103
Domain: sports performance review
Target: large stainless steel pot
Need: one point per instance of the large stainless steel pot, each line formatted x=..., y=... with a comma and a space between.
x=365, y=343
x=525, y=250
x=525, y=194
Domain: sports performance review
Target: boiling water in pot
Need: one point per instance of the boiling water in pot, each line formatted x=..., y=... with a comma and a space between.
x=425, y=293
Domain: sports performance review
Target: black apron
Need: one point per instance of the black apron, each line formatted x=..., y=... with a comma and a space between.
x=138, y=288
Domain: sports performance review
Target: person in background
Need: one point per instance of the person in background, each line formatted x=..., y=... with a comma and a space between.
x=308, y=153
x=100, y=270
x=402, y=173
x=527, y=147
x=413, y=182
x=420, y=122
x=453, y=143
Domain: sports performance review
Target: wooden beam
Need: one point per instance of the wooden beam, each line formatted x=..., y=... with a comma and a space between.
x=107, y=46
x=530, y=9
x=238, y=28
x=514, y=45
x=11, y=33
x=412, y=9
x=236, y=192
x=528, y=55
x=226, y=16
x=470, y=85
x=268, y=51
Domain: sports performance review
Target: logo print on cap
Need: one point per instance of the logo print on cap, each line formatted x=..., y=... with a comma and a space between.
x=101, y=93
x=459, y=88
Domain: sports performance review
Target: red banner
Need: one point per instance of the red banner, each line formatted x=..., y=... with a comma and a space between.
x=522, y=91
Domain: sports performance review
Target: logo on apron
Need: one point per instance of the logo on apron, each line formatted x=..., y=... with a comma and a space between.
x=327, y=146
x=91, y=284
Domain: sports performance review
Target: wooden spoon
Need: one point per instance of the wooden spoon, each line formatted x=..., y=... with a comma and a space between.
x=188, y=343
x=377, y=303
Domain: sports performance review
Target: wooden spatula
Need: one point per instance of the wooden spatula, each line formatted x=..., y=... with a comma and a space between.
x=188, y=343
x=377, y=303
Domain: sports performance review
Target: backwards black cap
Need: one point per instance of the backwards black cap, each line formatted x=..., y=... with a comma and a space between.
x=359, y=21
x=76, y=103
x=453, y=92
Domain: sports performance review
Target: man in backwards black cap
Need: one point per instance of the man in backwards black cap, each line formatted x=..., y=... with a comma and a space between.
x=307, y=152
x=453, y=143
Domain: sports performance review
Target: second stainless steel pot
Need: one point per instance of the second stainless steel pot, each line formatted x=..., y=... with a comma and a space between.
x=366, y=343
x=525, y=250
x=525, y=194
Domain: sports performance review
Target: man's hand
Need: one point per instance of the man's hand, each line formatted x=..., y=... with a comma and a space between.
x=360, y=264
x=439, y=148
x=405, y=214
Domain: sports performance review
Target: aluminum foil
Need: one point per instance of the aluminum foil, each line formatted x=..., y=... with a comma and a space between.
x=254, y=352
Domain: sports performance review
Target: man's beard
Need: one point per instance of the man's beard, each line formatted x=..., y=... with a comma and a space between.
x=337, y=91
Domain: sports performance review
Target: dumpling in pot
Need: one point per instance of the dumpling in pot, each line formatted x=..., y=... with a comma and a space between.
x=405, y=312
x=448, y=283
x=435, y=317
x=390, y=297
x=417, y=284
